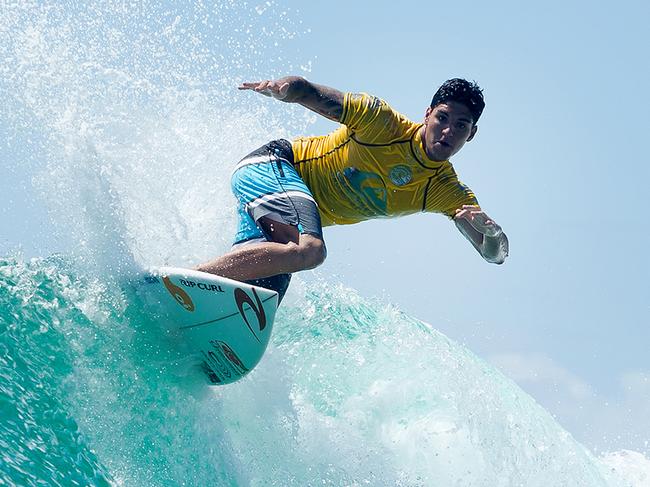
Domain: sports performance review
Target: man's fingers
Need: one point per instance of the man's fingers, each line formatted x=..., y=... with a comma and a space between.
x=468, y=212
x=274, y=89
x=248, y=86
x=479, y=220
x=268, y=88
x=259, y=86
x=262, y=87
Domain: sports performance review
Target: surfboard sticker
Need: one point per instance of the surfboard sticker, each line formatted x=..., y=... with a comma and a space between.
x=227, y=324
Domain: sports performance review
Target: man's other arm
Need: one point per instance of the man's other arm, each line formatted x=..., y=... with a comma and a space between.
x=483, y=233
x=323, y=100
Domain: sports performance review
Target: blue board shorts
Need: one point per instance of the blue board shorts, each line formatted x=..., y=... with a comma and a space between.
x=266, y=184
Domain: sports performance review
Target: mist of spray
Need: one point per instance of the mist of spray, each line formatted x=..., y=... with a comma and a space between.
x=137, y=119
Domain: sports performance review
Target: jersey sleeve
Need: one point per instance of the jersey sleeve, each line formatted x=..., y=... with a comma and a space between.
x=458, y=196
x=447, y=194
x=371, y=119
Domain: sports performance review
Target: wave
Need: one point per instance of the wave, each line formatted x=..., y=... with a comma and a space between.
x=350, y=392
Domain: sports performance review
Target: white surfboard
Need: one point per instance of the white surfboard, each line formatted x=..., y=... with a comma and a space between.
x=226, y=323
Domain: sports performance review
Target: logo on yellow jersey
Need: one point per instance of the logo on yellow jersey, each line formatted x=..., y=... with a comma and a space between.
x=400, y=175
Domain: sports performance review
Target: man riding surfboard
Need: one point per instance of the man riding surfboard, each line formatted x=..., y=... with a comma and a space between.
x=378, y=163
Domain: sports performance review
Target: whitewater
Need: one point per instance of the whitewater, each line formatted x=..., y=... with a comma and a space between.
x=130, y=129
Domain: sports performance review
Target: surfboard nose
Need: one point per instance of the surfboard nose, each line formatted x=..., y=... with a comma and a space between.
x=226, y=324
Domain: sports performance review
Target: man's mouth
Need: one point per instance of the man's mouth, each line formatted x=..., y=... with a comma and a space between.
x=443, y=143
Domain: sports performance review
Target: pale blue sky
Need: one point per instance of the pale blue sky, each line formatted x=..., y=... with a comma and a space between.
x=558, y=161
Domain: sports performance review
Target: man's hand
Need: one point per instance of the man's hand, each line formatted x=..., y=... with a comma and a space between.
x=483, y=233
x=323, y=100
x=288, y=89
x=478, y=220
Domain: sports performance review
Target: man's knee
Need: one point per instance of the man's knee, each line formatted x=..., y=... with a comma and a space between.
x=312, y=251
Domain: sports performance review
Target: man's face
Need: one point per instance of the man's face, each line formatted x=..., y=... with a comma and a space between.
x=447, y=127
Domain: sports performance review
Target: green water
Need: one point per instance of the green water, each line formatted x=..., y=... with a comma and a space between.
x=41, y=442
x=350, y=392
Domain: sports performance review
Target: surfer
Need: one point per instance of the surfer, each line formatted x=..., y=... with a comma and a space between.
x=376, y=164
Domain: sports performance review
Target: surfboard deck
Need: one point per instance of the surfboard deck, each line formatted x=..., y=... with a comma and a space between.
x=227, y=324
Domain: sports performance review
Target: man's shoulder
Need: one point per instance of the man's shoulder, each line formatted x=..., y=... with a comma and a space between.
x=375, y=103
x=373, y=120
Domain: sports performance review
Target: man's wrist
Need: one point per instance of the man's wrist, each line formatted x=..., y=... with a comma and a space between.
x=299, y=88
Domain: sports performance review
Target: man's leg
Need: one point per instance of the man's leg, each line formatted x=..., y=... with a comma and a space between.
x=279, y=225
x=288, y=252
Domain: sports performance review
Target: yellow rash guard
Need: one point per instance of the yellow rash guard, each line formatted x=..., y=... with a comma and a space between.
x=374, y=166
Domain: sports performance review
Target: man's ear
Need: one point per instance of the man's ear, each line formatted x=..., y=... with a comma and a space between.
x=427, y=113
x=472, y=133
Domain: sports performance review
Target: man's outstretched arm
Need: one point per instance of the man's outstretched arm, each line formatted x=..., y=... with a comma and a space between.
x=483, y=233
x=323, y=100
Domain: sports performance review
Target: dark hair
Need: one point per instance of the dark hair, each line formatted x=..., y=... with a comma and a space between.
x=461, y=91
